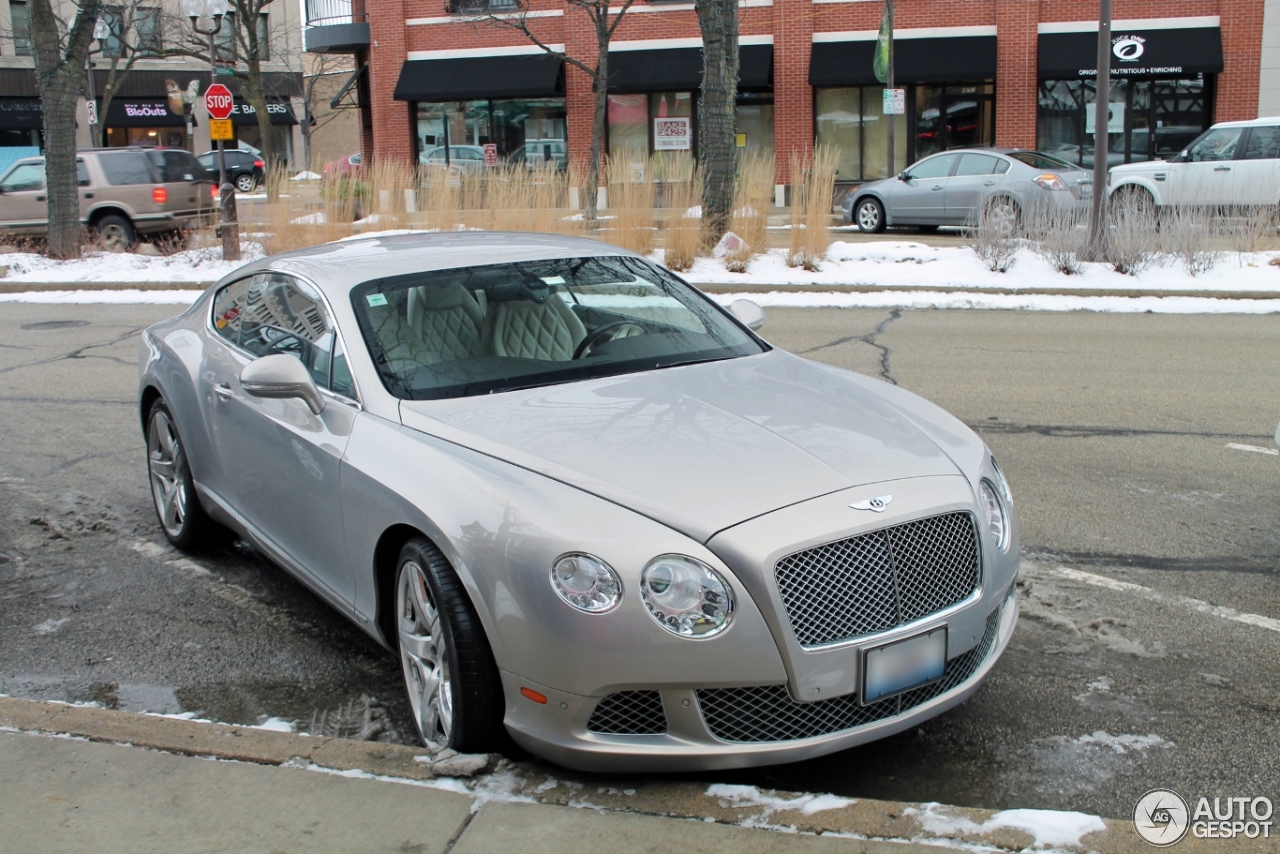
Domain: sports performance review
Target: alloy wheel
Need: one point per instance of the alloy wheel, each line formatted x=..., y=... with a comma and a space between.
x=868, y=216
x=424, y=657
x=168, y=485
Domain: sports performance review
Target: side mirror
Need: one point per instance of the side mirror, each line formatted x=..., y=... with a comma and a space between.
x=904, y=176
x=751, y=315
x=281, y=376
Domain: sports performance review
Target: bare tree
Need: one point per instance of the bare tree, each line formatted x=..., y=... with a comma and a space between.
x=61, y=51
x=717, y=128
x=322, y=66
x=123, y=22
x=605, y=18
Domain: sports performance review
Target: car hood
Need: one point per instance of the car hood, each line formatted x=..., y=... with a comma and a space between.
x=1143, y=166
x=700, y=447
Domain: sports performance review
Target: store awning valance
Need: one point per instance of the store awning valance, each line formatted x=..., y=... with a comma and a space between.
x=959, y=59
x=680, y=69
x=141, y=113
x=1179, y=52
x=473, y=77
x=21, y=114
x=281, y=113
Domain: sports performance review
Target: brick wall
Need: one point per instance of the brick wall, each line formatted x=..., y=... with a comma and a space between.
x=792, y=23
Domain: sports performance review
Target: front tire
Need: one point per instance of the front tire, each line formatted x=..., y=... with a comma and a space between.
x=173, y=492
x=449, y=671
x=868, y=213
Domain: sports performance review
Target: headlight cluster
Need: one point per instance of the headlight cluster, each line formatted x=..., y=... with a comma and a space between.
x=682, y=594
x=686, y=597
x=995, y=498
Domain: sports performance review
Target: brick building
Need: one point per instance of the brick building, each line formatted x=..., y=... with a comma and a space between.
x=1005, y=72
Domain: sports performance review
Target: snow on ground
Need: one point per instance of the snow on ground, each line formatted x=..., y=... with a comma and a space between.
x=305, y=176
x=1048, y=827
x=196, y=265
x=907, y=264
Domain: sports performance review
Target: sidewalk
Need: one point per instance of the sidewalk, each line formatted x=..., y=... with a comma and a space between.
x=77, y=778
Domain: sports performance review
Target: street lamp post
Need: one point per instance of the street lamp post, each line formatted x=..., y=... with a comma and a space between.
x=230, y=229
x=100, y=32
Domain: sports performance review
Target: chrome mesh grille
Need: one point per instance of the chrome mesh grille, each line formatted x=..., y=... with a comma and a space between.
x=768, y=714
x=629, y=713
x=875, y=581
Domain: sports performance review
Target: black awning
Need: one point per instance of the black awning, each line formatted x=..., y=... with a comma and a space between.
x=680, y=69
x=960, y=59
x=465, y=79
x=1134, y=53
x=243, y=113
x=21, y=114
x=141, y=113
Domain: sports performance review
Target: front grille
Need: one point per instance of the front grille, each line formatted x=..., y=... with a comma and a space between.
x=769, y=714
x=629, y=713
x=875, y=581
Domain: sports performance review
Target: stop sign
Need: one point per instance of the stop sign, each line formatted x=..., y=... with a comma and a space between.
x=218, y=101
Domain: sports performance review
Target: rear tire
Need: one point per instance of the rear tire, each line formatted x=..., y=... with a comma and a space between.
x=449, y=670
x=173, y=490
x=115, y=233
x=245, y=183
x=1003, y=215
x=868, y=214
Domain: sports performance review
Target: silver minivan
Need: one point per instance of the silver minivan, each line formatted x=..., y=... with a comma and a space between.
x=124, y=193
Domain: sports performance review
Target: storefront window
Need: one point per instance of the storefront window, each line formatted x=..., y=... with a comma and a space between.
x=851, y=121
x=628, y=123
x=755, y=126
x=527, y=131
x=1146, y=118
x=953, y=117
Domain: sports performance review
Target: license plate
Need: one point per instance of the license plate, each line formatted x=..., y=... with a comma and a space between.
x=1086, y=190
x=904, y=664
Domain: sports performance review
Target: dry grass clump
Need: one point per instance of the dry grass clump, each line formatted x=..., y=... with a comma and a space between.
x=1186, y=233
x=440, y=199
x=753, y=196
x=631, y=203
x=1058, y=236
x=813, y=182
x=682, y=228
x=1247, y=229
x=993, y=240
x=1132, y=236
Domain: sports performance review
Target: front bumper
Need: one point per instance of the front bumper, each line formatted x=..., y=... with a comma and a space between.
x=699, y=724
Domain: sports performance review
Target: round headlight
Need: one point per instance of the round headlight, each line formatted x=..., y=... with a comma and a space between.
x=587, y=583
x=1001, y=482
x=993, y=512
x=686, y=597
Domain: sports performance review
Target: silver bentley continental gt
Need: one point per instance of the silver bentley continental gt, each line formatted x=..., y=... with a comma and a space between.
x=589, y=509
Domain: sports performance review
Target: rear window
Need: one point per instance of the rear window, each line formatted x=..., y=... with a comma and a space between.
x=127, y=167
x=175, y=166
x=1039, y=160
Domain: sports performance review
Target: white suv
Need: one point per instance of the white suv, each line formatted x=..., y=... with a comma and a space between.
x=1230, y=164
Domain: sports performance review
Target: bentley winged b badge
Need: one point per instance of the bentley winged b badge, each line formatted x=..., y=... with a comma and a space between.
x=875, y=504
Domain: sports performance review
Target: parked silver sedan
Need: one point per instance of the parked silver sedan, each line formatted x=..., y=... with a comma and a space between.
x=589, y=509
x=959, y=187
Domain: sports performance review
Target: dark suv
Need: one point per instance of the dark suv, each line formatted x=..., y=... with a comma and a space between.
x=244, y=168
x=123, y=193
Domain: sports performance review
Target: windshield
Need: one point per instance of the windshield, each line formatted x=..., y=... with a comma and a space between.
x=1039, y=160
x=483, y=330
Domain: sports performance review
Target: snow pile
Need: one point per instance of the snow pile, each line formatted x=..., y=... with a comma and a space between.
x=1049, y=828
x=907, y=264
x=750, y=796
x=305, y=176
x=195, y=265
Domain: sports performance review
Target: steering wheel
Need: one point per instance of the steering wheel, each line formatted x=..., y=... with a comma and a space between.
x=603, y=333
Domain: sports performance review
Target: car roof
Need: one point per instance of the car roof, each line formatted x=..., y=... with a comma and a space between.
x=1248, y=123
x=337, y=267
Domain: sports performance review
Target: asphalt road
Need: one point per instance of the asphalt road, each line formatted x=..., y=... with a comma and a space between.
x=1149, y=543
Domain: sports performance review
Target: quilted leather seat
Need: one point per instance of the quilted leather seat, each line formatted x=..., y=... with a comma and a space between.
x=449, y=319
x=404, y=349
x=532, y=330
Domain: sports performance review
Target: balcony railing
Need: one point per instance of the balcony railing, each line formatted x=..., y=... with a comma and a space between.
x=336, y=26
x=326, y=13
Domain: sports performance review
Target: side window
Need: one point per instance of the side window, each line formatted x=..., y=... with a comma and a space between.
x=1264, y=143
x=129, y=167
x=174, y=166
x=977, y=164
x=283, y=315
x=934, y=167
x=28, y=176
x=82, y=174
x=1217, y=144
x=228, y=306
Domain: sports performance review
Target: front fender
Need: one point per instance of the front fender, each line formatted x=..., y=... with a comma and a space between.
x=1146, y=182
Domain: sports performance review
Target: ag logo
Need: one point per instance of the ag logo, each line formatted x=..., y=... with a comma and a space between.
x=874, y=504
x=1161, y=817
x=1128, y=48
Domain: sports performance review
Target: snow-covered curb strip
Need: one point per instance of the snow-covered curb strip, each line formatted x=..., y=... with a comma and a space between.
x=130, y=296
x=196, y=265
x=746, y=806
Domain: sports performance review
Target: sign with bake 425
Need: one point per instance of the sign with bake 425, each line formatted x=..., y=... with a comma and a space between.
x=672, y=134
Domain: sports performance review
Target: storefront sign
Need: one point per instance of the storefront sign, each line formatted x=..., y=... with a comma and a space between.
x=1115, y=118
x=21, y=114
x=672, y=134
x=1151, y=52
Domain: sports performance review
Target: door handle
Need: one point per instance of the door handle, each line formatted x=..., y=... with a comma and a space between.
x=988, y=183
x=937, y=187
x=223, y=391
x=1222, y=169
x=88, y=195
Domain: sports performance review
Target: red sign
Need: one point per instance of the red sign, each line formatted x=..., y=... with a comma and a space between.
x=490, y=154
x=218, y=101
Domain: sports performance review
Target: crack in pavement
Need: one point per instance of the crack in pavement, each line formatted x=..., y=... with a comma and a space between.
x=1261, y=564
x=77, y=353
x=870, y=338
x=1084, y=431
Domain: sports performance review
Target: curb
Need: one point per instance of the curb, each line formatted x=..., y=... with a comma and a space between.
x=724, y=288
x=931, y=824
